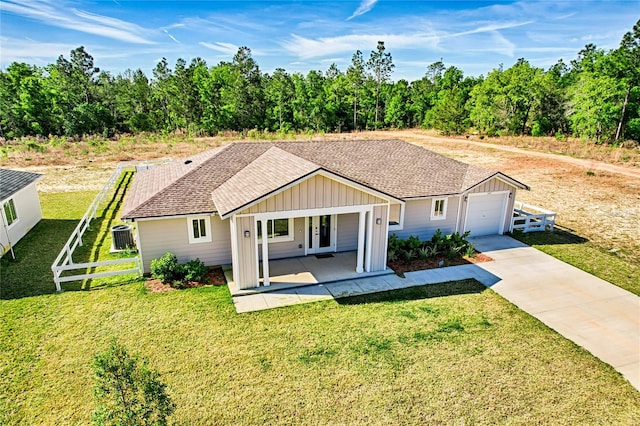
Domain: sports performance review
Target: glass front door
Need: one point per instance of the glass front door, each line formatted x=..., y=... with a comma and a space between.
x=320, y=234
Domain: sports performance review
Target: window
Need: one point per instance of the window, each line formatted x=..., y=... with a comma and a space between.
x=439, y=209
x=277, y=230
x=199, y=229
x=396, y=216
x=10, y=212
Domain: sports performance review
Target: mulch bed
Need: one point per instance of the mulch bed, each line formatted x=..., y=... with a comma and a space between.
x=401, y=267
x=215, y=276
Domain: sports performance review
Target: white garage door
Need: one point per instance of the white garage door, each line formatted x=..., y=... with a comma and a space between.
x=485, y=213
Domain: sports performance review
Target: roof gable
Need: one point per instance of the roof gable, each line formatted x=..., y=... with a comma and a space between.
x=269, y=172
x=12, y=181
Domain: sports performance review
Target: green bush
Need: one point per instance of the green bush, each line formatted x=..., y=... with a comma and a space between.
x=128, y=392
x=451, y=245
x=194, y=270
x=166, y=268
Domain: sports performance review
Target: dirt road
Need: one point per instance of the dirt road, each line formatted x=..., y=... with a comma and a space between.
x=587, y=164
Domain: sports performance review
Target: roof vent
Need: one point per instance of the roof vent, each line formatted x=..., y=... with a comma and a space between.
x=188, y=162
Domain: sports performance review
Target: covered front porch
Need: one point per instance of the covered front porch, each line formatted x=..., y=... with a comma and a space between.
x=306, y=270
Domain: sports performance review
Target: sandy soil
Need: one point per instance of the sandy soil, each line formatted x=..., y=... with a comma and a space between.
x=596, y=200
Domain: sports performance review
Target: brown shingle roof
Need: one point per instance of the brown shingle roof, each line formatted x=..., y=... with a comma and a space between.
x=267, y=173
x=394, y=167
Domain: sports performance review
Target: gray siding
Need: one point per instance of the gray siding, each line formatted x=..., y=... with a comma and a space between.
x=28, y=213
x=494, y=185
x=162, y=235
x=347, y=232
x=288, y=248
x=417, y=219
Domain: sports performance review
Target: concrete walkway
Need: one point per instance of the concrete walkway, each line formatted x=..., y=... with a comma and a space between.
x=602, y=318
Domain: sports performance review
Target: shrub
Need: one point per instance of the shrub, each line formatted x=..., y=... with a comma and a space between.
x=128, y=392
x=194, y=270
x=166, y=268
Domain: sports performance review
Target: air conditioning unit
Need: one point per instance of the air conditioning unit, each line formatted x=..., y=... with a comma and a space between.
x=122, y=238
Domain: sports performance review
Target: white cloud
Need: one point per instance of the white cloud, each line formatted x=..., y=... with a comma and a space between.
x=55, y=14
x=365, y=6
x=171, y=37
x=17, y=50
x=226, y=48
x=306, y=48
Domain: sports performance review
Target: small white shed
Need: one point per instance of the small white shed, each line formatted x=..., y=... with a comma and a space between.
x=19, y=206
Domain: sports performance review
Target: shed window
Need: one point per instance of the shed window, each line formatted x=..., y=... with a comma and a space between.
x=199, y=229
x=277, y=230
x=439, y=209
x=10, y=212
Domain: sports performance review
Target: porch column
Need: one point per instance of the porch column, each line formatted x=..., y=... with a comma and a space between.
x=265, y=252
x=367, y=262
x=361, y=228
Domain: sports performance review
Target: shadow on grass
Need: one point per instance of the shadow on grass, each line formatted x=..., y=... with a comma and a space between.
x=559, y=235
x=97, y=240
x=428, y=291
x=30, y=274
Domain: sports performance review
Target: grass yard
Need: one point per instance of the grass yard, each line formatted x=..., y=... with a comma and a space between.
x=449, y=353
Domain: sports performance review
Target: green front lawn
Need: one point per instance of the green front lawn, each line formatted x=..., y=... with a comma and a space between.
x=448, y=353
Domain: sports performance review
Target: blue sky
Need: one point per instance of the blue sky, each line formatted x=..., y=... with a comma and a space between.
x=298, y=36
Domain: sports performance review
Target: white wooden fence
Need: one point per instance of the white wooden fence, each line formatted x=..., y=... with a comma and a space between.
x=64, y=261
x=530, y=218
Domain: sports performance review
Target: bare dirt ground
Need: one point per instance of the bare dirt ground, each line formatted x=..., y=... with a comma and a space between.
x=595, y=199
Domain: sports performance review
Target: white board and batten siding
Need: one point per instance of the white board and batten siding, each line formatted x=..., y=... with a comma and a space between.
x=347, y=235
x=28, y=214
x=317, y=192
x=245, y=265
x=488, y=208
x=155, y=236
x=379, y=237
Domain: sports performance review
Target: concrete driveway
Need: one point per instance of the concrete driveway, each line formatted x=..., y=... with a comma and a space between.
x=597, y=315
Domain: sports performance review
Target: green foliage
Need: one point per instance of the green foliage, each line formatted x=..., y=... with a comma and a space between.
x=194, y=270
x=597, y=97
x=128, y=392
x=449, y=246
x=166, y=268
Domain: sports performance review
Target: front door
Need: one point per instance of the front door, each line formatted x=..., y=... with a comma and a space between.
x=320, y=234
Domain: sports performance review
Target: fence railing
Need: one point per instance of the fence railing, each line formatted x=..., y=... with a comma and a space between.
x=64, y=261
x=528, y=218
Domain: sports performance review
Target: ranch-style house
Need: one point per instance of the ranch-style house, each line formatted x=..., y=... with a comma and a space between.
x=247, y=203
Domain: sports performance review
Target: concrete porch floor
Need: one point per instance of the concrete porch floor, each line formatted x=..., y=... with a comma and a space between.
x=307, y=270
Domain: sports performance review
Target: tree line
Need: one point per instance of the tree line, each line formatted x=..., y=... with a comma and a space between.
x=596, y=97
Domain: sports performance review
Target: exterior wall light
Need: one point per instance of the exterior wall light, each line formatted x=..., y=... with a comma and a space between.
x=378, y=221
x=247, y=234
